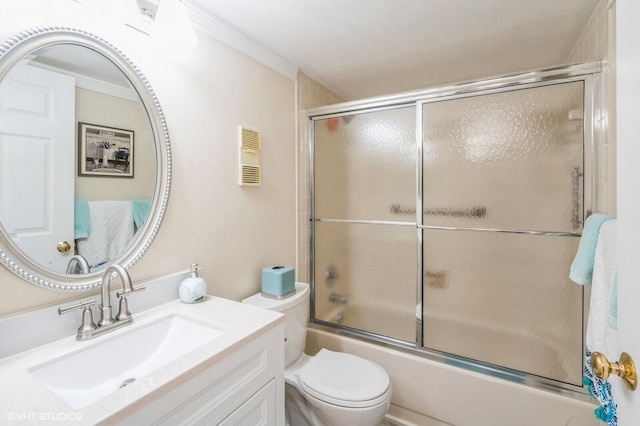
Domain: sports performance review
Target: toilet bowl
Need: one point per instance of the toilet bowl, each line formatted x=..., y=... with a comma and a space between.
x=330, y=388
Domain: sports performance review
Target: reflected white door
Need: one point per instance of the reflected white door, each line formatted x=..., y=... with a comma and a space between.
x=37, y=109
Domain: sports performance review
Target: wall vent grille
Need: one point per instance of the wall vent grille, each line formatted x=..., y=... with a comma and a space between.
x=250, y=140
x=250, y=175
x=250, y=145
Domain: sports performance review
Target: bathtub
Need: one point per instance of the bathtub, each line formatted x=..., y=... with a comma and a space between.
x=503, y=347
x=436, y=393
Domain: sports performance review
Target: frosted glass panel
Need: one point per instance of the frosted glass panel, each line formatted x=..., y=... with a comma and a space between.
x=510, y=161
x=504, y=299
x=364, y=164
x=504, y=160
x=365, y=277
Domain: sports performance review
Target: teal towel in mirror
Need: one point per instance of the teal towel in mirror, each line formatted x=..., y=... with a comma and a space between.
x=140, y=209
x=582, y=266
x=81, y=224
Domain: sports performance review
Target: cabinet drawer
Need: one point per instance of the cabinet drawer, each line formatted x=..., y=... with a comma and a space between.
x=259, y=410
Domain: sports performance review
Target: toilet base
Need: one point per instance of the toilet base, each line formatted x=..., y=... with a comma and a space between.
x=309, y=411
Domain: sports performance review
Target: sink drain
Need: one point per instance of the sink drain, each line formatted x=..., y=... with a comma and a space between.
x=128, y=382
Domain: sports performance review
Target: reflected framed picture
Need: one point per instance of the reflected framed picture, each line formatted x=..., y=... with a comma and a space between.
x=105, y=151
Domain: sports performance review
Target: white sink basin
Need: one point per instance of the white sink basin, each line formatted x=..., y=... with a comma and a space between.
x=87, y=375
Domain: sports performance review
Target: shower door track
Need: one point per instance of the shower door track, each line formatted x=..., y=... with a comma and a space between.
x=587, y=72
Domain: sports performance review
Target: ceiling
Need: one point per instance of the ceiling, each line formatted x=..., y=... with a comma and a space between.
x=363, y=48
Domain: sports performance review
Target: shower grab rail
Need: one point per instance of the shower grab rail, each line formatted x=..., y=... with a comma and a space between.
x=575, y=198
x=475, y=212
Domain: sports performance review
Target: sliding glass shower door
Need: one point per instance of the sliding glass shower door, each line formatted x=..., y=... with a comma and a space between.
x=446, y=223
x=499, y=193
x=365, y=256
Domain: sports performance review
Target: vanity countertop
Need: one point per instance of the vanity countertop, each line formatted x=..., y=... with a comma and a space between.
x=26, y=399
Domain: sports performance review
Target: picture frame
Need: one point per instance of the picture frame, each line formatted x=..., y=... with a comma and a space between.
x=105, y=151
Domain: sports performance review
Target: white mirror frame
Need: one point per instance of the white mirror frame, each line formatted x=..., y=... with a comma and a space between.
x=26, y=42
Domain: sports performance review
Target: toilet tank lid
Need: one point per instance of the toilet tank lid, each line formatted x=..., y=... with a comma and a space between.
x=344, y=379
x=302, y=292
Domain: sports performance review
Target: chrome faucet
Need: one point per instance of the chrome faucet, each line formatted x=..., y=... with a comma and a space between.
x=88, y=329
x=77, y=261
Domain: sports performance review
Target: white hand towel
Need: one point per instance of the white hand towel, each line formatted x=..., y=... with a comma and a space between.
x=601, y=337
x=110, y=234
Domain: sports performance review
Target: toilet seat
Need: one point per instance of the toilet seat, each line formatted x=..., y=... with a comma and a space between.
x=343, y=379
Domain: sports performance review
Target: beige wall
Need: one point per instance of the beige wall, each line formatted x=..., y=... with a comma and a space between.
x=206, y=93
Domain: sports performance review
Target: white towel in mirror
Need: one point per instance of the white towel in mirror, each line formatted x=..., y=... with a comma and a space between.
x=110, y=234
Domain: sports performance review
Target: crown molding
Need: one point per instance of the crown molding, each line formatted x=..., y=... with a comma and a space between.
x=83, y=81
x=216, y=27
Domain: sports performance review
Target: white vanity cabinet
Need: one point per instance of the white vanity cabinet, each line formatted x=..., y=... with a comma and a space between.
x=243, y=387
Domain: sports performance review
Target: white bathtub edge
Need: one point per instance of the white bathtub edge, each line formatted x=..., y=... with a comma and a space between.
x=457, y=396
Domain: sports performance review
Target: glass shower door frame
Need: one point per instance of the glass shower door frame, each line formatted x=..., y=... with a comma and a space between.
x=589, y=161
x=593, y=137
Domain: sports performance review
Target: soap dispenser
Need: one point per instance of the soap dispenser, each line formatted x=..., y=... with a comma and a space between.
x=193, y=288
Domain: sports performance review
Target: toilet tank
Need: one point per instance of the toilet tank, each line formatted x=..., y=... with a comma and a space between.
x=296, y=317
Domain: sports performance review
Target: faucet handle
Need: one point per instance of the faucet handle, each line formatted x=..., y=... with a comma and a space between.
x=125, y=292
x=123, y=311
x=87, y=324
x=85, y=305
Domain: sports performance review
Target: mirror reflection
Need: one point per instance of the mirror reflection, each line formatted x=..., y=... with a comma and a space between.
x=77, y=159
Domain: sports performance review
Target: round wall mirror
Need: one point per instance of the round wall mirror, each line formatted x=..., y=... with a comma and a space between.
x=84, y=159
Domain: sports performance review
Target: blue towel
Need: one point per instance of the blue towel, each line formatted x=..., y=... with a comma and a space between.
x=582, y=266
x=600, y=390
x=81, y=223
x=140, y=210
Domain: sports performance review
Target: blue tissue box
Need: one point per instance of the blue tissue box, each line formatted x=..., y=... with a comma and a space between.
x=278, y=281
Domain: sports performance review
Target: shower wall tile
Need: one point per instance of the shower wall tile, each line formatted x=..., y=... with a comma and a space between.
x=597, y=42
x=310, y=94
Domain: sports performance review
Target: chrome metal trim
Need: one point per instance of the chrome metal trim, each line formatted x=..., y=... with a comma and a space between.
x=449, y=228
x=508, y=88
x=537, y=382
x=312, y=225
x=361, y=111
x=419, y=221
x=593, y=133
x=363, y=222
x=502, y=231
x=492, y=83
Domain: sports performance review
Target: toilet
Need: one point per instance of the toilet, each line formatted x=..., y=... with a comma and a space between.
x=330, y=388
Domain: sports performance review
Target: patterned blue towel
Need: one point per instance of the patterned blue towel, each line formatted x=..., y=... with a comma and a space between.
x=600, y=390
